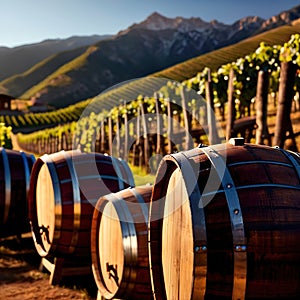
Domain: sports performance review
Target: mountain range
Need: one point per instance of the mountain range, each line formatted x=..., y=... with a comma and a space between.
x=19, y=59
x=62, y=72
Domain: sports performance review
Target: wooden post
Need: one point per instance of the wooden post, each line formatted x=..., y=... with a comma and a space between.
x=285, y=98
x=159, y=135
x=64, y=141
x=213, y=136
x=139, y=138
x=59, y=142
x=145, y=136
x=170, y=125
x=262, y=132
x=126, y=135
x=69, y=140
x=102, y=137
x=118, y=138
x=97, y=141
x=51, y=143
x=187, y=123
x=110, y=135
x=231, y=107
x=136, y=145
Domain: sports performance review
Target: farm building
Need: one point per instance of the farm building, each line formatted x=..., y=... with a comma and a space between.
x=5, y=102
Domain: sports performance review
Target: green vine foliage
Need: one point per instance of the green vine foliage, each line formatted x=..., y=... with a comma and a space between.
x=266, y=58
x=290, y=50
x=5, y=136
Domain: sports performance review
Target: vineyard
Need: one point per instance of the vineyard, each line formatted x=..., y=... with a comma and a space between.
x=28, y=122
x=153, y=243
x=154, y=116
x=5, y=136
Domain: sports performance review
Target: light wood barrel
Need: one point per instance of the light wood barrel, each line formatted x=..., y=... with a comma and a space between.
x=119, y=242
x=15, y=168
x=64, y=189
x=225, y=224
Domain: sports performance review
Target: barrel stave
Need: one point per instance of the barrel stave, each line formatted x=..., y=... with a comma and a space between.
x=128, y=255
x=268, y=188
x=77, y=180
x=15, y=168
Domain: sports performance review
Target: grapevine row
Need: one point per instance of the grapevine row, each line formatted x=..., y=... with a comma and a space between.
x=5, y=136
x=33, y=121
x=107, y=123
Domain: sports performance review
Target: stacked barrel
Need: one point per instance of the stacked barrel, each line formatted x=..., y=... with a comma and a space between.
x=220, y=221
x=223, y=223
x=15, y=168
x=120, y=244
x=64, y=189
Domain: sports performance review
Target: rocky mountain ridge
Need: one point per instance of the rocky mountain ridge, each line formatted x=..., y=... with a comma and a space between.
x=144, y=48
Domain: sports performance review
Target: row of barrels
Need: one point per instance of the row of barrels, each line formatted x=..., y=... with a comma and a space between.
x=220, y=222
x=15, y=169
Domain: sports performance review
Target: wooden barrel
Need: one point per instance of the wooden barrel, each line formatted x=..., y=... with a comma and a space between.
x=15, y=168
x=64, y=189
x=225, y=224
x=119, y=242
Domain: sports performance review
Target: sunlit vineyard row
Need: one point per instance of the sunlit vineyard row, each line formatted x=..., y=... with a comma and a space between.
x=265, y=58
x=32, y=121
x=5, y=136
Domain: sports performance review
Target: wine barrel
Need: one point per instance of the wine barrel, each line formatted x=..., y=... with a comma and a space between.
x=225, y=224
x=119, y=243
x=64, y=189
x=15, y=168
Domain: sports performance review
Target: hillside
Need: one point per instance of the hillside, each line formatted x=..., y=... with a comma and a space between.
x=19, y=59
x=189, y=68
x=145, y=48
x=227, y=54
x=16, y=85
x=131, y=89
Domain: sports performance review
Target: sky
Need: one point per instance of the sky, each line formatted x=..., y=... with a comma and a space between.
x=31, y=21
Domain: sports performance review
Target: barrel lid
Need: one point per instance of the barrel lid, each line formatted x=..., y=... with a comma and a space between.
x=45, y=206
x=177, y=240
x=111, y=254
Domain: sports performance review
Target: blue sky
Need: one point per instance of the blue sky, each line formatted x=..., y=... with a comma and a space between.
x=29, y=21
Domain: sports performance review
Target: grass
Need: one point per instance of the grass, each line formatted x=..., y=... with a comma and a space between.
x=141, y=176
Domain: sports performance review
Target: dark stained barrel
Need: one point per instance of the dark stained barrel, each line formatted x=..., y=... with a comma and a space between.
x=119, y=241
x=225, y=224
x=15, y=168
x=64, y=189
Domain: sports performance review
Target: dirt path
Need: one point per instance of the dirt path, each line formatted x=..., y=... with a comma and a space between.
x=20, y=278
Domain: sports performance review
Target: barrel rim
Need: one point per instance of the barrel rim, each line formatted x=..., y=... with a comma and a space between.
x=130, y=255
x=96, y=265
x=239, y=249
x=7, y=178
x=173, y=162
x=122, y=173
x=41, y=161
x=27, y=171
